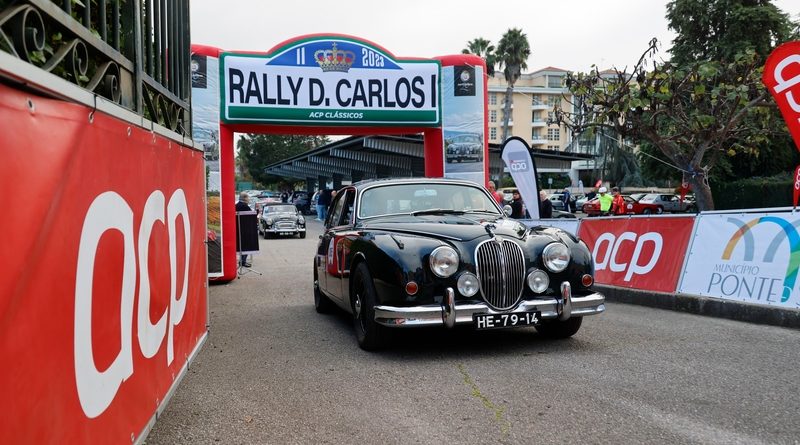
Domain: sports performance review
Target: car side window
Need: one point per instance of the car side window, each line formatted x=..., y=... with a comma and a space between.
x=336, y=215
x=347, y=209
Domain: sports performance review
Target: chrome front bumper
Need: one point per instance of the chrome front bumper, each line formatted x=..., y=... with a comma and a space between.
x=284, y=229
x=449, y=314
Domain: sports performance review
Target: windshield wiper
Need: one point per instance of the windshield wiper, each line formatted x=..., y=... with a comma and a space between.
x=437, y=211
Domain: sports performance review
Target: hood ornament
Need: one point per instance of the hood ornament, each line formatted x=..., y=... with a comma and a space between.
x=490, y=228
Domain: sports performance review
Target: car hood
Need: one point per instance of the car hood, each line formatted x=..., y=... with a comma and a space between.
x=454, y=227
x=280, y=215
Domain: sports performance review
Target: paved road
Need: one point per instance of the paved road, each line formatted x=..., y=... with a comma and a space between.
x=274, y=371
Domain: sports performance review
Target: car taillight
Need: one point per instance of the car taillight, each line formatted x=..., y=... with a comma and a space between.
x=587, y=280
x=412, y=288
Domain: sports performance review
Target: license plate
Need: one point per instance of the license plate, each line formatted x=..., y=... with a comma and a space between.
x=495, y=321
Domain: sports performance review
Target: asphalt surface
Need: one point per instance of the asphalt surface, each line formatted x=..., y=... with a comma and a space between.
x=274, y=371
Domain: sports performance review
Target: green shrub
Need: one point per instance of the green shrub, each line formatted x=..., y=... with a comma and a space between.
x=754, y=193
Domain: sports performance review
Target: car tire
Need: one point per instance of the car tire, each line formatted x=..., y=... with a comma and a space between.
x=371, y=336
x=302, y=235
x=646, y=212
x=322, y=304
x=560, y=329
x=660, y=210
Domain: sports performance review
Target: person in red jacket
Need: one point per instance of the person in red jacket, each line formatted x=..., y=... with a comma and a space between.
x=618, y=204
x=495, y=194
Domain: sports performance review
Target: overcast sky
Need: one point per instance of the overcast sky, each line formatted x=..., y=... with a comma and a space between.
x=568, y=34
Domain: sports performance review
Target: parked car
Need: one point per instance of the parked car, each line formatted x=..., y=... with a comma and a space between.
x=281, y=219
x=668, y=202
x=464, y=148
x=404, y=253
x=558, y=204
x=637, y=196
x=302, y=201
x=592, y=208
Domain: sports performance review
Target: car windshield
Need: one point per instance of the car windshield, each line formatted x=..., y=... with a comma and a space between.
x=424, y=198
x=279, y=209
x=649, y=197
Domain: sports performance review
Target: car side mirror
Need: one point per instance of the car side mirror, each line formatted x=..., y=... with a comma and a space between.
x=508, y=210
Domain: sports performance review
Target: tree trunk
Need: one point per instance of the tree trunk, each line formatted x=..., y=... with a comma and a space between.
x=507, y=111
x=702, y=193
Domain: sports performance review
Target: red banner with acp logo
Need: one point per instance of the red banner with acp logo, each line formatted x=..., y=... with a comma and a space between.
x=639, y=253
x=103, y=296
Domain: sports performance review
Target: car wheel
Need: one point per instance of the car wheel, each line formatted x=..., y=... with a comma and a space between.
x=647, y=211
x=371, y=336
x=321, y=303
x=302, y=235
x=560, y=329
x=660, y=210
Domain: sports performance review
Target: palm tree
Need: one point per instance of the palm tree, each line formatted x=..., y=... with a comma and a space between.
x=512, y=54
x=482, y=48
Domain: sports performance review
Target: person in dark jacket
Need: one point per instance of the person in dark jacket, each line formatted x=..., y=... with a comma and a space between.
x=243, y=206
x=545, y=206
x=323, y=201
x=517, y=207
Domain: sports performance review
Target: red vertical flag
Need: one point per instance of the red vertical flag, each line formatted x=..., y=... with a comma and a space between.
x=782, y=77
x=796, y=191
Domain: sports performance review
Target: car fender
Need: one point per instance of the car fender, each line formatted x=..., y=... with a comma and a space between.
x=393, y=260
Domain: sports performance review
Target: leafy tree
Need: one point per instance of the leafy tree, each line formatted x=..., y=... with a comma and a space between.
x=693, y=113
x=256, y=151
x=512, y=54
x=720, y=29
x=484, y=49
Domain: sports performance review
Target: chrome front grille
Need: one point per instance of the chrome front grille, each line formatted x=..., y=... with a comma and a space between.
x=286, y=225
x=501, y=272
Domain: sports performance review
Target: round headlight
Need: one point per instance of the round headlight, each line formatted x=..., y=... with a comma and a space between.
x=444, y=261
x=269, y=221
x=538, y=281
x=301, y=220
x=556, y=257
x=468, y=284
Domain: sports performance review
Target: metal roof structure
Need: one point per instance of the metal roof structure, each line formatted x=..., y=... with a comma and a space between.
x=368, y=157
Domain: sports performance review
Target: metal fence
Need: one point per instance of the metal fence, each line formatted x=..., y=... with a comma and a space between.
x=132, y=52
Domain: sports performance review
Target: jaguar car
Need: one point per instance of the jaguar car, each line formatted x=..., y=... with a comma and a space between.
x=405, y=253
x=281, y=219
x=464, y=148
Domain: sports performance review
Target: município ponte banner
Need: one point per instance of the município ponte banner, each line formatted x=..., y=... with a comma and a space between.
x=103, y=296
x=639, y=252
x=750, y=257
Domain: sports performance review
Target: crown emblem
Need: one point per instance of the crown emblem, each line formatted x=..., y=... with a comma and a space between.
x=334, y=59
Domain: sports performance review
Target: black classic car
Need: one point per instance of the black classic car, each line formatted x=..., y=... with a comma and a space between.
x=281, y=219
x=464, y=148
x=404, y=253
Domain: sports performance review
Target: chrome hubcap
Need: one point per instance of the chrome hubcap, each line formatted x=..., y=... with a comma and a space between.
x=357, y=306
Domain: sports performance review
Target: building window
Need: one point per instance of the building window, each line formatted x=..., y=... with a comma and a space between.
x=554, y=81
x=535, y=134
x=493, y=99
x=553, y=134
x=552, y=101
x=553, y=147
x=493, y=133
x=536, y=100
x=493, y=116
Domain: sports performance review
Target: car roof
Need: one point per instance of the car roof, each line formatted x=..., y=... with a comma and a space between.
x=389, y=181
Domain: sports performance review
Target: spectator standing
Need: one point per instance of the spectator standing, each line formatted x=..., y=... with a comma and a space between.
x=565, y=198
x=243, y=206
x=545, y=206
x=517, y=209
x=498, y=197
x=323, y=201
x=605, y=201
x=618, y=203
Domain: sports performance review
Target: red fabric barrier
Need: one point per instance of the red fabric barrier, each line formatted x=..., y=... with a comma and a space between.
x=103, y=294
x=639, y=253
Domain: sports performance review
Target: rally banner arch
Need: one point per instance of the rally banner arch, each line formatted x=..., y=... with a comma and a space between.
x=334, y=84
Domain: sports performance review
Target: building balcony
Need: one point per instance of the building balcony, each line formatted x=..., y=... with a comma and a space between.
x=538, y=123
x=538, y=140
x=540, y=106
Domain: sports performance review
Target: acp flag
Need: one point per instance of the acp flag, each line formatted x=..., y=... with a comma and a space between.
x=782, y=77
x=517, y=156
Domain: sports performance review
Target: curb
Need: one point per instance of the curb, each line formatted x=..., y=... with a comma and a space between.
x=710, y=307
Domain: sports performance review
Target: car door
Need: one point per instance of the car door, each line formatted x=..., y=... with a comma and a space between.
x=333, y=239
